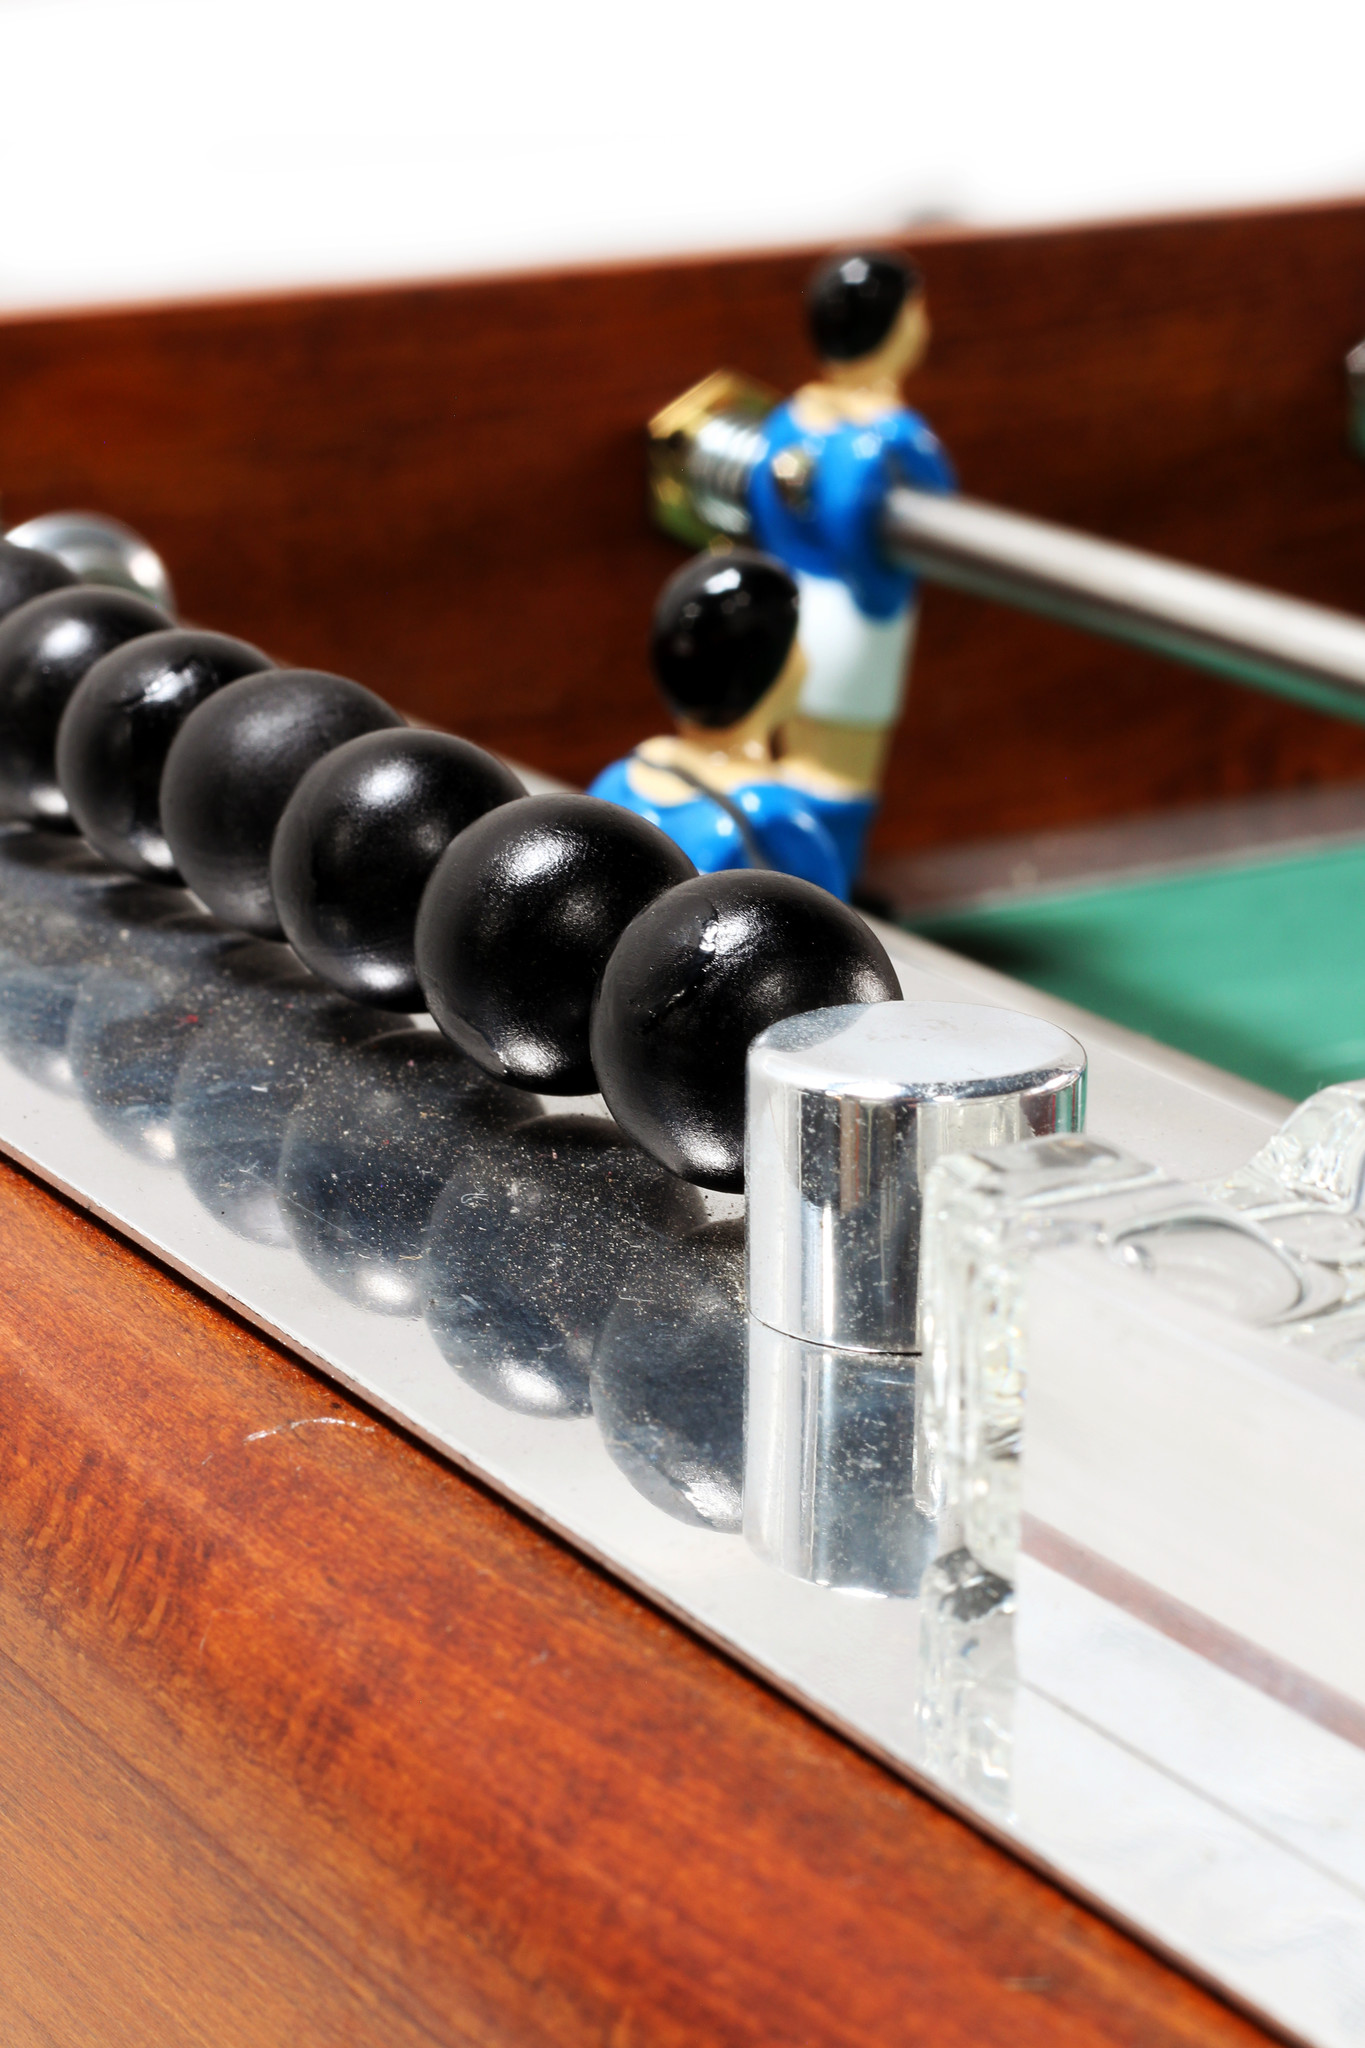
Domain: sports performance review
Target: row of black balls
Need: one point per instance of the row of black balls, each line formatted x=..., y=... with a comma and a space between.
x=561, y=942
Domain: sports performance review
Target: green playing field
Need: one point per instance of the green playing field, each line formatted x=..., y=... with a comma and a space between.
x=1258, y=966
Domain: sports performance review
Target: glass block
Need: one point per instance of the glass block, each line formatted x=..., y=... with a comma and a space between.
x=964, y=1704
x=1278, y=1246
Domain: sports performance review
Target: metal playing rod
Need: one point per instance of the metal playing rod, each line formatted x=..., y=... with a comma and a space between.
x=1297, y=650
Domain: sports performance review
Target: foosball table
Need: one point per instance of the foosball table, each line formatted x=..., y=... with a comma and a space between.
x=429, y=1615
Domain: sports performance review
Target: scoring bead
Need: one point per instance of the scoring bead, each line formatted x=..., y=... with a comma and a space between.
x=26, y=573
x=46, y=646
x=518, y=922
x=232, y=768
x=98, y=549
x=695, y=978
x=356, y=847
x=117, y=729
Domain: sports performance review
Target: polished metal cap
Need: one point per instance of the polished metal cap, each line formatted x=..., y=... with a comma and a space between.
x=848, y=1109
x=100, y=550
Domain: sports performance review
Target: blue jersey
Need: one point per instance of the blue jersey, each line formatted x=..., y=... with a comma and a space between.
x=814, y=838
x=835, y=533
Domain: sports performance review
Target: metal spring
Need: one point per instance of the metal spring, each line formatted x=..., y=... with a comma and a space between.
x=720, y=462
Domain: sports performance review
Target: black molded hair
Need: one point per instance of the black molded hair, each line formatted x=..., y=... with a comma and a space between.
x=723, y=628
x=853, y=301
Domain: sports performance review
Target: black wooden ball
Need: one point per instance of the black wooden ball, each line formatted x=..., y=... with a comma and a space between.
x=46, y=646
x=356, y=846
x=232, y=768
x=117, y=729
x=520, y=918
x=26, y=573
x=694, y=980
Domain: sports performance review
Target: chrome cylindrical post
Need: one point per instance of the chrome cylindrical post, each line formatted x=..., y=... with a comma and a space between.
x=848, y=1109
x=830, y=1466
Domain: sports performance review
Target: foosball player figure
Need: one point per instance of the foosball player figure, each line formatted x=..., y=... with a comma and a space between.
x=727, y=659
x=826, y=459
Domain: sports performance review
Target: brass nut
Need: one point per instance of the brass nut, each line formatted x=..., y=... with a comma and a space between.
x=673, y=434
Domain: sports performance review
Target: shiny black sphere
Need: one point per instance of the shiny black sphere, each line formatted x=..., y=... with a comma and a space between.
x=518, y=922
x=117, y=729
x=694, y=980
x=26, y=573
x=356, y=846
x=46, y=646
x=232, y=768
x=536, y=1237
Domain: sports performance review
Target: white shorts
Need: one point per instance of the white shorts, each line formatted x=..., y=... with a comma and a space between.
x=856, y=665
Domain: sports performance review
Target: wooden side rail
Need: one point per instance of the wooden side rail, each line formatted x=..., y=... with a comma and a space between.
x=307, y=1740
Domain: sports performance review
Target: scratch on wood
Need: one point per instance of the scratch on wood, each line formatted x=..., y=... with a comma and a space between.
x=311, y=1422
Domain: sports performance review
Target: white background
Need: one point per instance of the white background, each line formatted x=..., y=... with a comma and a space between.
x=153, y=148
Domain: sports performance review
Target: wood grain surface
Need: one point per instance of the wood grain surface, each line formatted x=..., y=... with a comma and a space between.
x=307, y=1742
x=440, y=489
